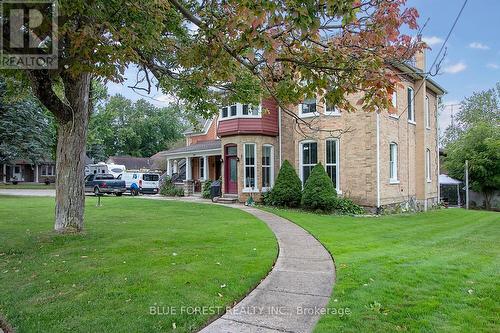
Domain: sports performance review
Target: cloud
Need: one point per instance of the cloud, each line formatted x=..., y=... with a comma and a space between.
x=432, y=40
x=493, y=66
x=455, y=68
x=479, y=46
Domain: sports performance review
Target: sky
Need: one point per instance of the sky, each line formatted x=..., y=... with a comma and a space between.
x=472, y=62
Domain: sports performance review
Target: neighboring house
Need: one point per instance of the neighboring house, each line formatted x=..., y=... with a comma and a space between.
x=131, y=163
x=26, y=171
x=378, y=160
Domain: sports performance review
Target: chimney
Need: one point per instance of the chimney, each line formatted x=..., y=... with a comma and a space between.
x=420, y=60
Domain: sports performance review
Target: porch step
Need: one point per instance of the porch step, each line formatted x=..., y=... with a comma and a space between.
x=228, y=199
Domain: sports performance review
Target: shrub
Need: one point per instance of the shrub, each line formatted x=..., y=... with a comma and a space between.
x=319, y=193
x=288, y=188
x=206, y=189
x=346, y=206
x=168, y=189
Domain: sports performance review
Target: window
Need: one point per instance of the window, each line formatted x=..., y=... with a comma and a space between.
x=331, y=110
x=393, y=162
x=250, y=110
x=309, y=158
x=250, y=166
x=427, y=115
x=428, y=164
x=148, y=177
x=202, y=167
x=332, y=158
x=395, y=99
x=267, y=166
x=48, y=170
x=240, y=110
x=308, y=107
x=411, y=106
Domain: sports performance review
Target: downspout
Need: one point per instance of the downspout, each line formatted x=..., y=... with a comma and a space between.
x=279, y=135
x=378, y=162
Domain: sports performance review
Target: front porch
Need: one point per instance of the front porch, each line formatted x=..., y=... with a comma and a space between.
x=190, y=166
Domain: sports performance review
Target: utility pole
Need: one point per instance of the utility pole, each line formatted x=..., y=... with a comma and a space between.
x=466, y=184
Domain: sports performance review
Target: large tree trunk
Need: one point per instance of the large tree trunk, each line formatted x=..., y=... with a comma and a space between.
x=70, y=159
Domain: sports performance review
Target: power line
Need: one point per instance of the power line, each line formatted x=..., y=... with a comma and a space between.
x=440, y=51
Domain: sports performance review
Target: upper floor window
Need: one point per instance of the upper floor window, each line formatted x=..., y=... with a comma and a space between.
x=240, y=110
x=308, y=107
x=267, y=166
x=427, y=113
x=309, y=159
x=393, y=162
x=331, y=110
x=332, y=160
x=250, y=166
x=411, y=105
x=394, y=99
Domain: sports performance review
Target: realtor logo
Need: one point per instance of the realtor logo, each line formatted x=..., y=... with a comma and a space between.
x=28, y=31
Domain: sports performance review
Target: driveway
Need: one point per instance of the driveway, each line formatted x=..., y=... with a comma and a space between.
x=30, y=193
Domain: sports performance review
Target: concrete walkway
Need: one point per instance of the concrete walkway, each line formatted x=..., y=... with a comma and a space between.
x=290, y=298
x=297, y=289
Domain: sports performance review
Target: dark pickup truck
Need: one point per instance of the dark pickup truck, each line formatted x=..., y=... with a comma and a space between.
x=104, y=183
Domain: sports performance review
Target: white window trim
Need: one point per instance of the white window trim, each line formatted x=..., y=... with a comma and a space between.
x=239, y=112
x=394, y=180
x=412, y=104
x=428, y=165
x=245, y=188
x=201, y=172
x=335, y=113
x=427, y=113
x=271, y=174
x=301, y=165
x=308, y=115
x=337, y=162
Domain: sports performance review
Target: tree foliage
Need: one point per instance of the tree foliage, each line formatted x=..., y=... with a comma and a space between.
x=319, y=193
x=480, y=145
x=26, y=130
x=123, y=127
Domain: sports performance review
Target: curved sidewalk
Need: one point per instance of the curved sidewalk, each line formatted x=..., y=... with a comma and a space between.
x=291, y=297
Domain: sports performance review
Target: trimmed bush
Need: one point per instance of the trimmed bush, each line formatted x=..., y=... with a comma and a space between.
x=287, y=191
x=346, y=206
x=319, y=193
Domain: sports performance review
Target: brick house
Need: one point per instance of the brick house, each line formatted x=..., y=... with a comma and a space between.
x=376, y=159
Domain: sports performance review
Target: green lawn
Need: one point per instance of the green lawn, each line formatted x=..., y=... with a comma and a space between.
x=135, y=254
x=430, y=272
x=23, y=186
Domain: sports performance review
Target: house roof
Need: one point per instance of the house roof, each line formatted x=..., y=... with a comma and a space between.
x=201, y=127
x=130, y=162
x=199, y=147
x=417, y=74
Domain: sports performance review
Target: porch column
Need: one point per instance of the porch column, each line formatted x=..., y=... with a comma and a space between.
x=5, y=173
x=169, y=167
x=205, y=167
x=189, y=175
x=36, y=173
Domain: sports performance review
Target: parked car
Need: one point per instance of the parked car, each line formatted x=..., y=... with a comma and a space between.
x=104, y=183
x=141, y=182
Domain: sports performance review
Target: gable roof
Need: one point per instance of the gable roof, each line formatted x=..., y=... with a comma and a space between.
x=199, y=147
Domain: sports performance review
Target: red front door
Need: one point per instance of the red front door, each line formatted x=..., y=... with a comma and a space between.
x=231, y=170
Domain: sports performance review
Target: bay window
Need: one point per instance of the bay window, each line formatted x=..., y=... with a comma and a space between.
x=250, y=166
x=240, y=110
x=267, y=166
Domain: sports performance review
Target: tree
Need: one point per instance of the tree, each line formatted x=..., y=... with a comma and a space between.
x=287, y=191
x=319, y=193
x=26, y=130
x=480, y=145
x=120, y=127
x=209, y=52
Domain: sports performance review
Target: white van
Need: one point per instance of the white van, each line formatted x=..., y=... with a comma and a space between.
x=141, y=182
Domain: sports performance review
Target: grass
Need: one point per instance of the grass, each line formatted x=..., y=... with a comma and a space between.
x=135, y=254
x=27, y=186
x=429, y=272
